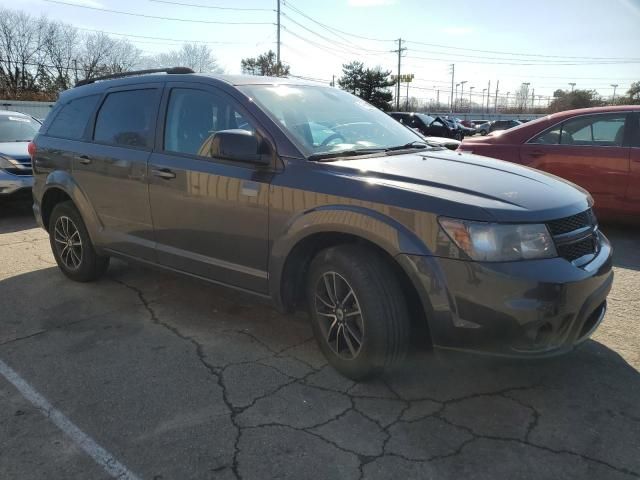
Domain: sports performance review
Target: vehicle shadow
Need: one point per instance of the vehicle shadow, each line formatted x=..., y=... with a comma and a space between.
x=16, y=215
x=577, y=414
x=626, y=244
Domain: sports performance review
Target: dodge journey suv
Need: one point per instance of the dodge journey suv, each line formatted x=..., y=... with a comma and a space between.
x=312, y=197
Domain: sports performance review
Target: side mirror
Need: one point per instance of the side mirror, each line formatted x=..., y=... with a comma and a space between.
x=241, y=146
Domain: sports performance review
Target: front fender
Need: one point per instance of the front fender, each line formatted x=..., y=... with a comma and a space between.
x=385, y=232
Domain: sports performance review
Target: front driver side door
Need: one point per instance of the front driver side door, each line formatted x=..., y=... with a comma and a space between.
x=589, y=151
x=210, y=215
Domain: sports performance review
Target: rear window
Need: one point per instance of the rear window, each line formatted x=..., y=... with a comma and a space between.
x=127, y=118
x=72, y=118
x=17, y=128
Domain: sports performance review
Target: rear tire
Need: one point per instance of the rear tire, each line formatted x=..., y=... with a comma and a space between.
x=71, y=245
x=347, y=279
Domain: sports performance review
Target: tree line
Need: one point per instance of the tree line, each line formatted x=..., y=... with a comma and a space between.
x=39, y=57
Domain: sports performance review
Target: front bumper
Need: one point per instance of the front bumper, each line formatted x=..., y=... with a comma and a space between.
x=522, y=309
x=11, y=184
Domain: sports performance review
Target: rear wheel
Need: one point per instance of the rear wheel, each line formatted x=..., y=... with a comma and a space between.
x=71, y=245
x=358, y=312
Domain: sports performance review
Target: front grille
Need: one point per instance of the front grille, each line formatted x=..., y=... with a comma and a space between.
x=573, y=251
x=569, y=224
x=562, y=228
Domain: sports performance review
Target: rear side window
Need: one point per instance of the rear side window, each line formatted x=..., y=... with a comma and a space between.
x=73, y=117
x=127, y=118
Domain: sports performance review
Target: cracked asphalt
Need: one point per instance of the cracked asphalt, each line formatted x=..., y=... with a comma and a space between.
x=179, y=379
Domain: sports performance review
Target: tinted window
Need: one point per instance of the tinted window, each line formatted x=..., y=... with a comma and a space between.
x=597, y=130
x=194, y=116
x=17, y=128
x=73, y=117
x=126, y=118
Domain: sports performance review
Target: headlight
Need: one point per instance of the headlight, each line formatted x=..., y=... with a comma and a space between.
x=5, y=162
x=495, y=242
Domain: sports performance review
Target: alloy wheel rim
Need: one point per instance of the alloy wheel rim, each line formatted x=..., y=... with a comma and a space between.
x=68, y=242
x=339, y=315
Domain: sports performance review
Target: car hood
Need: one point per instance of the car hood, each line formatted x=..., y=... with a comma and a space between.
x=469, y=186
x=17, y=150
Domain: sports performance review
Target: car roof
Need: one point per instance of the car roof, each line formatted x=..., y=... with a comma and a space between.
x=235, y=80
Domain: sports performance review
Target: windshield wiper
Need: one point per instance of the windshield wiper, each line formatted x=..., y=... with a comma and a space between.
x=328, y=156
x=406, y=146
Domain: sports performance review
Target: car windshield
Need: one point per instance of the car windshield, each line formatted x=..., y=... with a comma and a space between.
x=427, y=119
x=324, y=120
x=17, y=128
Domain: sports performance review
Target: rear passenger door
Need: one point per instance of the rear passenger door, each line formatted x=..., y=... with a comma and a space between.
x=112, y=170
x=210, y=215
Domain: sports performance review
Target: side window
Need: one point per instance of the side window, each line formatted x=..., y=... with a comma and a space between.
x=596, y=130
x=127, y=118
x=73, y=117
x=194, y=116
x=549, y=137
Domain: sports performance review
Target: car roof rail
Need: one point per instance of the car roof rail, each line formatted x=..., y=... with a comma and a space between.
x=132, y=73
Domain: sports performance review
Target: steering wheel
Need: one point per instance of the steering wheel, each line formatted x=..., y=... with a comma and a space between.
x=331, y=137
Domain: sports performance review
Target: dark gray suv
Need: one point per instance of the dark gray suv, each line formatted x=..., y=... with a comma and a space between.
x=309, y=196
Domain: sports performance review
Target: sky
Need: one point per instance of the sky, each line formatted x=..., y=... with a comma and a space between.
x=547, y=43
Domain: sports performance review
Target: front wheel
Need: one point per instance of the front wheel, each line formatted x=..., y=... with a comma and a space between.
x=71, y=245
x=358, y=312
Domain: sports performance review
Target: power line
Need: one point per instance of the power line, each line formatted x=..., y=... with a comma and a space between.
x=517, y=54
x=213, y=7
x=155, y=17
x=524, y=64
x=178, y=40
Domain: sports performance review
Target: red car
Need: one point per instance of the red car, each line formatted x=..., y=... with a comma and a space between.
x=595, y=148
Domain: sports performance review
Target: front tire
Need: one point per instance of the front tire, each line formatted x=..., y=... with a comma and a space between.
x=358, y=312
x=72, y=247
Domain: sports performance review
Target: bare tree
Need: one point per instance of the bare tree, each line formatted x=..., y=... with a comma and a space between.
x=102, y=55
x=21, y=50
x=61, y=47
x=198, y=57
x=522, y=97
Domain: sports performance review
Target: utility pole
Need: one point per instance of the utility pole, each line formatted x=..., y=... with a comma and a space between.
x=453, y=75
x=496, y=102
x=462, y=92
x=483, y=90
x=399, y=51
x=614, y=85
x=573, y=84
x=278, y=46
x=470, y=92
x=533, y=91
x=333, y=80
x=488, y=94
x=455, y=101
x=407, y=104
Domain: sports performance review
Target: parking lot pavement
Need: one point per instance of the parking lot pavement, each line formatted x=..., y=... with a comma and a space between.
x=165, y=377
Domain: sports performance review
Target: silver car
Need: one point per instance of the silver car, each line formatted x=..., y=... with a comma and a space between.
x=16, y=131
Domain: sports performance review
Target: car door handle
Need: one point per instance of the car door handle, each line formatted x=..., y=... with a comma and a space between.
x=537, y=153
x=85, y=159
x=163, y=173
